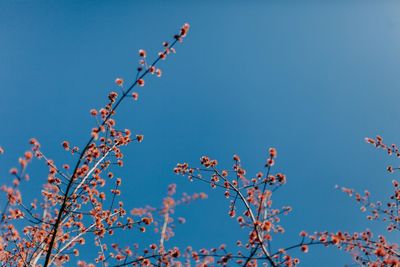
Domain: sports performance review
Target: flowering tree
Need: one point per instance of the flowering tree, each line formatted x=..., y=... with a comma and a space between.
x=81, y=202
x=368, y=249
x=251, y=204
x=77, y=201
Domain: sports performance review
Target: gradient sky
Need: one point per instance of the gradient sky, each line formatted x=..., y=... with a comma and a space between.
x=310, y=78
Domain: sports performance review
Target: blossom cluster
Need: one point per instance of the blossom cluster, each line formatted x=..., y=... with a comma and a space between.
x=79, y=200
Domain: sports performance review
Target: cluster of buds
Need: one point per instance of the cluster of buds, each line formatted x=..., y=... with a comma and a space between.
x=79, y=201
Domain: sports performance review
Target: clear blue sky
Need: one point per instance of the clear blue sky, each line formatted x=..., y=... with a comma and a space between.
x=311, y=78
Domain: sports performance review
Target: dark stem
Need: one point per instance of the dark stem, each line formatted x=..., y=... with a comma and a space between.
x=70, y=183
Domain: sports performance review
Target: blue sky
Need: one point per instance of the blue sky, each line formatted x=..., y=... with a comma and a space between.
x=310, y=78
